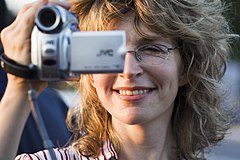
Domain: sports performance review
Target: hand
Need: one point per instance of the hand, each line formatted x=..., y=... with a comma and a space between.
x=16, y=38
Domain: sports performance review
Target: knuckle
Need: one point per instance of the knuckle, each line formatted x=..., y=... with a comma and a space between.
x=26, y=20
x=25, y=7
x=4, y=34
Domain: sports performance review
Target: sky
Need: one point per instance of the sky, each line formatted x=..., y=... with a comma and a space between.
x=15, y=5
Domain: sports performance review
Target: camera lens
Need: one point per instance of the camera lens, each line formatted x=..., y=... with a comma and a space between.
x=49, y=19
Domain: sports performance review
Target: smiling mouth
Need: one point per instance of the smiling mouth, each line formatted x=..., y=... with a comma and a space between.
x=133, y=92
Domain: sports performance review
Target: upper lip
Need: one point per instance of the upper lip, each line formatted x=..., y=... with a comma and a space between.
x=133, y=88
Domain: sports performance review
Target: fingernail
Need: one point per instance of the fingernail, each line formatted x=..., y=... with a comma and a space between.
x=43, y=1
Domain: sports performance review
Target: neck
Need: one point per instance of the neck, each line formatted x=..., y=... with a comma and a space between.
x=147, y=141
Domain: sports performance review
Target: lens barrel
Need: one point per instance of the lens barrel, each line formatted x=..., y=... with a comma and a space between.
x=48, y=19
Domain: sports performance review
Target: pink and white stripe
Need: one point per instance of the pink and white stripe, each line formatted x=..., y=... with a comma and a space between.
x=70, y=153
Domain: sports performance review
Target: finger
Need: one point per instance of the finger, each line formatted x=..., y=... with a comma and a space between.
x=27, y=7
x=64, y=4
x=28, y=17
x=19, y=15
x=17, y=37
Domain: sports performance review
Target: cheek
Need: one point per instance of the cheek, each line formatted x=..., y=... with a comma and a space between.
x=164, y=74
x=103, y=84
x=103, y=81
x=167, y=75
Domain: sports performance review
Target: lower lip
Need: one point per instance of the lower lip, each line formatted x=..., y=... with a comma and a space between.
x=132, y=98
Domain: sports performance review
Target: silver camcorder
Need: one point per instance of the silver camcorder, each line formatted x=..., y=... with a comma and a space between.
x=61, y=52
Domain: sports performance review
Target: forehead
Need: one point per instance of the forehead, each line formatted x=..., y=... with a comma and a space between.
x=133, y=37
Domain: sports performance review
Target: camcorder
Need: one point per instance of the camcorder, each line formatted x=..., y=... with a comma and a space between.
x=62, y=52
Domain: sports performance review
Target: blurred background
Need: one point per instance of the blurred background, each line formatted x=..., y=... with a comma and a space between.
x=229, y=149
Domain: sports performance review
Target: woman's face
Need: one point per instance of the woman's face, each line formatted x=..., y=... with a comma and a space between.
x=142, y=93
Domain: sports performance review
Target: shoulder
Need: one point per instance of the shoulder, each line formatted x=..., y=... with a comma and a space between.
x=68, y=153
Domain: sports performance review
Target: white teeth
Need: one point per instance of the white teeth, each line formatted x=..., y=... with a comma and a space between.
x=134, y=92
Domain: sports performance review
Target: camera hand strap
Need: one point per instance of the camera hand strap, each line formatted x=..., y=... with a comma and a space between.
x=47, y=143
x=12, y=67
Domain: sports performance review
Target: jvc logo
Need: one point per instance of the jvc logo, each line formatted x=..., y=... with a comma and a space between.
x=52, y=42
x=107, y=52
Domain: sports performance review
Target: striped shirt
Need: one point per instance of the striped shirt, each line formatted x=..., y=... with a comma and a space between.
x=69, y=153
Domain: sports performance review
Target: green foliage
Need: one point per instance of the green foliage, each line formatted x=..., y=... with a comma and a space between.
x=234, y=18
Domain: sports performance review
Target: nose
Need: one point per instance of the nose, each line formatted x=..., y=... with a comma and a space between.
x=132, y=68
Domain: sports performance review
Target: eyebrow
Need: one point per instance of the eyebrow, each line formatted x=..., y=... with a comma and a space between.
x=159, y=40
x=141, y=41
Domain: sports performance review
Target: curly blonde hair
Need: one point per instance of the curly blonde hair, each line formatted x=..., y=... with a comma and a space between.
x=198, y=120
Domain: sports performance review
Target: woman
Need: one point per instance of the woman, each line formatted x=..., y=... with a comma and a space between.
x=165, y=105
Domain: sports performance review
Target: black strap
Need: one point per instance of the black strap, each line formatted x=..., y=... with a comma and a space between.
x=12, y=67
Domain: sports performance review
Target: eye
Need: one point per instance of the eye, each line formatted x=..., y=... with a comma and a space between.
x=152, y=50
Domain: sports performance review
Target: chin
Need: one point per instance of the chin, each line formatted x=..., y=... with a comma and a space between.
x=132, y=118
